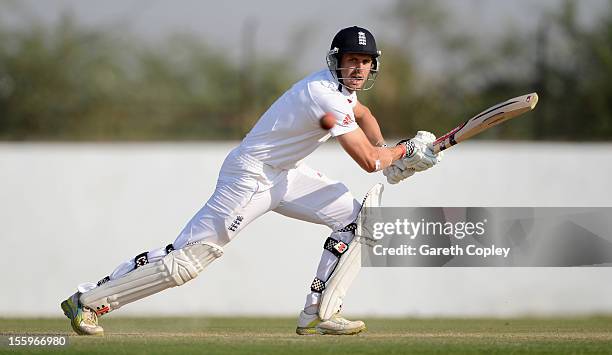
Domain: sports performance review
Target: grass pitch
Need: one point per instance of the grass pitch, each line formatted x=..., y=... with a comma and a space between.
x=276, y=336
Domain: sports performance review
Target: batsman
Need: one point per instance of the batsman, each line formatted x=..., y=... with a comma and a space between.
x=266, y=173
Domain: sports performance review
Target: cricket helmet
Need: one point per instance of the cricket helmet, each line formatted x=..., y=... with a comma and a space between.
x=353, y=40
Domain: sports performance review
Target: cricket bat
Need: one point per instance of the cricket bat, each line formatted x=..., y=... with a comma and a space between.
x=488, y=118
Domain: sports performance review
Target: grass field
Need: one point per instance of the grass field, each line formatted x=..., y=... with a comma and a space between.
x=276, y=336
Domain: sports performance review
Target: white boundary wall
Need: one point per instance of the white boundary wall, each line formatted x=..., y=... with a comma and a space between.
x=71, y=212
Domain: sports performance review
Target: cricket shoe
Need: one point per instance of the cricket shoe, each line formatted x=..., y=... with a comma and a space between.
x=84, y=321
x=309, y=324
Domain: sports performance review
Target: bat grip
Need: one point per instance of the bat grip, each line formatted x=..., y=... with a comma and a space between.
x=435, y=147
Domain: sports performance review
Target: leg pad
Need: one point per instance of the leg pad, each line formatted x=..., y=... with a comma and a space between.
x=176, y=268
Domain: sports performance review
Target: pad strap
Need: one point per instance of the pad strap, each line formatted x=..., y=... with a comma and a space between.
x=317, y=285
x=336, y=247
x=350, y=228
x=169, y=248
x=141, y=260
x=103, y=281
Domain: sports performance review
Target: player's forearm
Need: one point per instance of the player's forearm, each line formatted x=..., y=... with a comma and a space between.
x=370, y=127
x=369, y=157
x=386, y=156
x=372, y=131
x=380, y=158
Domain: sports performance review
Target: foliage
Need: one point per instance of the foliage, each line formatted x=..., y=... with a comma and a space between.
x=69, y=82
x=570, y=67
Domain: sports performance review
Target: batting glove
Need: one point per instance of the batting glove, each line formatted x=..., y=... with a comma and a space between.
x=395, y=175
x=419, y=153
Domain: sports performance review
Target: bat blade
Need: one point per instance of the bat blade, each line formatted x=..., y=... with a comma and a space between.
x=488, y=118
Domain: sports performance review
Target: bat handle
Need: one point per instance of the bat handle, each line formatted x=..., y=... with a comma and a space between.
x=440, y=144
x=435, y=147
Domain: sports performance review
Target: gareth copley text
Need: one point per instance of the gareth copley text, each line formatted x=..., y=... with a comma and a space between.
x=455, y=250
x=412, y=229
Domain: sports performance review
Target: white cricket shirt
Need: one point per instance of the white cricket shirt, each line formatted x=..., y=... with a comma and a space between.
x=290, y=130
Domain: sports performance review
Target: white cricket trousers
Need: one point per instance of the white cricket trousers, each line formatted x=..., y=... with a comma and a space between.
x=247, y=188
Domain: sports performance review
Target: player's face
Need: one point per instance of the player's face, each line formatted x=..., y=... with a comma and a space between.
x=355, y=68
